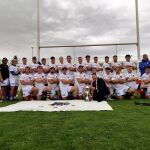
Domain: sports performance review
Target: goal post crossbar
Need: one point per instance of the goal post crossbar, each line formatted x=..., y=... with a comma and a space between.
x=88, y=45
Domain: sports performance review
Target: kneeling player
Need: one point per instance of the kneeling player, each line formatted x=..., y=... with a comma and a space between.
x=40, y=81
x=53, y=82
x=146, y=81
x=65, y=82
x=81, y=81
x=27, y=82
x=118, y=80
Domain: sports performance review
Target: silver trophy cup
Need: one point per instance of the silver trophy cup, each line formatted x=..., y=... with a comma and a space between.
x=87, y=93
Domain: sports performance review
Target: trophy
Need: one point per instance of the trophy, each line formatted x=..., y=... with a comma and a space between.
x=87, y=94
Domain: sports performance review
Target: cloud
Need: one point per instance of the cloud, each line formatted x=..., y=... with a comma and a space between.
x=68, y=22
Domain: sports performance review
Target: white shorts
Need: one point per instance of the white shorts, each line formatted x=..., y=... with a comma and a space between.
x=121, y=90
x=5, y=82
x=134, y=86
x=27, y=90
x=54, y=90
x=65, y=91
x=41, y=89
x=111, y=90
x=148, y=91
x=14, y=81
x=81, y=90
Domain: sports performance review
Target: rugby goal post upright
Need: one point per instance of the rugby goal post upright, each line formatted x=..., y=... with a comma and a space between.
x=137, y=43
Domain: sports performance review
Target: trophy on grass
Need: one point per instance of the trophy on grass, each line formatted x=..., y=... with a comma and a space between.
x=87, y=95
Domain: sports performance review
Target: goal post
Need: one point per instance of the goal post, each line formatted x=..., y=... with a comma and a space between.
x=137, y=43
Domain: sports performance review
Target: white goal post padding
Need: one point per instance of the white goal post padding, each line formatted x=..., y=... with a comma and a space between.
x=72, y=105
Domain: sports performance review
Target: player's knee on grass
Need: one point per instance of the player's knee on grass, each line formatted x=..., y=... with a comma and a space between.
x=120, y=97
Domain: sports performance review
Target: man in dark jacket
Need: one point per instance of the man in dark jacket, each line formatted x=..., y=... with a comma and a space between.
x=4, y=69
x=101, y=91
x=144, y=63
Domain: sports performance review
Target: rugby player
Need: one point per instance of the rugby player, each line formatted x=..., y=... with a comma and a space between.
x=26, y=80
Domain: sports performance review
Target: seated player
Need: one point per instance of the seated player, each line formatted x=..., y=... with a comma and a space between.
x=118, y=80
x=53, y=82
x=26, y=80
x=40, y=81
x=65, y=82
x=107, y=79
x=146, y=81
x=81, y=81
x=131, y=78
x=100, y=90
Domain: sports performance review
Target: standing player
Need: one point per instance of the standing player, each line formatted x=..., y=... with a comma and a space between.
x=14, y=79
x=40, y=81
x=23, y=65
x=45, y=66
x=53, y=82
x=26, y=80
x=53, y=64
x=129, y=63
x=34, y=65
x=115, y=63
x=65, y=82
x=61, y=65
x=70, y=67
x=88, y=66
x=80, y=62
x=97, y=66
x=106, y=64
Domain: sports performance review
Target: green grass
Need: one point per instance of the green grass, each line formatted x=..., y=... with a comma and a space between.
x=125, y=128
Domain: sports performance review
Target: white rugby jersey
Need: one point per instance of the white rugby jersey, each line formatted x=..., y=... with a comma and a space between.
x=64, y=77
x=52, y=76
x=97, y=65
x=34, y=66
x=108, y=77
x=22, y=66
x=88, y=72
x=82, y=76
x=53, y=65
x=130, y=75
x=39, y=76
x=60, y=66
x=114, y=64
x=106, y=65
x=68, y=71
x=45, y=66
x=26, y=77
x=146, y=77
x=15, y=69
x=117, y=77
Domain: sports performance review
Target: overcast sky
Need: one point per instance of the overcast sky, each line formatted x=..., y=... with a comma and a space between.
x=72, y=22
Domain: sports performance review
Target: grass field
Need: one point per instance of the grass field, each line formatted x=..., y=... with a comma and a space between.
x=125, y=128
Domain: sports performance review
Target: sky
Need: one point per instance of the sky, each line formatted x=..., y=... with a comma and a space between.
x=69, y=22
